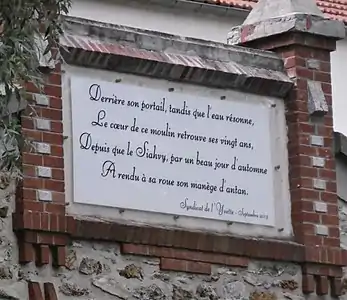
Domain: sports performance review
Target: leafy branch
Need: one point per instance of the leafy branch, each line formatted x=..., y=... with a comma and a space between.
x=25, y=25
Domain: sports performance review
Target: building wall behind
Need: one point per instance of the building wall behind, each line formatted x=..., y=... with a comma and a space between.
x=339, y=69
x=178, y=20
x=204, y=23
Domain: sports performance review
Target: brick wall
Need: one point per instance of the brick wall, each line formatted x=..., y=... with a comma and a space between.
x=310, y=138
x=39, y=217
x=312, y=173
x=44, y=229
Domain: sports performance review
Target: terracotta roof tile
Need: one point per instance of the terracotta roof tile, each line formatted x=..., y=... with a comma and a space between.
x=335, y=9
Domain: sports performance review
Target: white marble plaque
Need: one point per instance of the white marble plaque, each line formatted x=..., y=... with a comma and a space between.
x=170, y=152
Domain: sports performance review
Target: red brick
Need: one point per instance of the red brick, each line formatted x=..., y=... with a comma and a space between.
x=57, y=126
x=33, y=135
x=330, y=219
x=323, y=152
x=30, y=237
x=30, y=205
x=301, y=84
x=54, y=222
x=185, y=254
x=329, y=99
x=305, y=183
x=325, y=67
x=329, y=141
x=54, y=79
x=31, y=88
x=327, y=88
x=58, y=197
x=57, y=68
x=299, y=205
x=27, y=122
x=26, y=253
x=337, y=256
x=312, y=240
x=34, y=291
x=304, y=73
x=50, y=293
x=58, y=174
x=336, y=286
x=323, y=77
x=308, y=284
x=331, y=242
x=57, y=150
x=32, y=159
x=60, y=256
x=45, y=238
x=344, y=256
x=290, y=62
x=328, y=120
x=331, y=186
x=56, y=103
x=170, y=264
x=322, y=285
x=301, y=171
x=52, y=90
x=36, y=220
x=60, y=240
x=333, y=209
x=54, y=185
x=43, y=255
x=45, y=221
x=29, y=194
x=334, y=232
x=329, y=197
x=325, y=131
x=53, y=161
x=27, y=220
x=327, y=174
x=55, y=208
x=324, y=256
x=71, y=225
x=52, y=138
x=300, y=160
x=52, y=114
x=310, y=217
x=29, y=170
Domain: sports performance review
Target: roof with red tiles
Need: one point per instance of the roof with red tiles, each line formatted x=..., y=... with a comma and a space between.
x=334, y=9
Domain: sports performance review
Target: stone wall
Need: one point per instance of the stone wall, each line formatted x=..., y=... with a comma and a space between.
x=99, y=271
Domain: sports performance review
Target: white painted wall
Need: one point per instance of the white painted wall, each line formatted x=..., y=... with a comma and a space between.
x=339, y=81
x=174, y=20
x=341, y=177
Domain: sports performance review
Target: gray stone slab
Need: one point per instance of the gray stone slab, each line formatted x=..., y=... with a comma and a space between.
x=269, y=9
x=158, y=55
x=304, y=23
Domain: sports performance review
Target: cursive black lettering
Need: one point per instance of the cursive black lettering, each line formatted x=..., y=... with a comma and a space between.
x=95, y=92
x=101, y=116
x=141, y=151
x=108, y=168
x=85, y=140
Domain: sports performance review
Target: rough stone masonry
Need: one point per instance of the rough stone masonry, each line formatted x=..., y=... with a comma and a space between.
x=47, y=253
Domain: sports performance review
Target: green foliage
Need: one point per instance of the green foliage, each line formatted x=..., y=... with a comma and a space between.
x=22, y=22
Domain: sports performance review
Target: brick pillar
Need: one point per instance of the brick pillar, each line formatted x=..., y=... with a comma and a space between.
x=305, y=41
x=39, y=218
